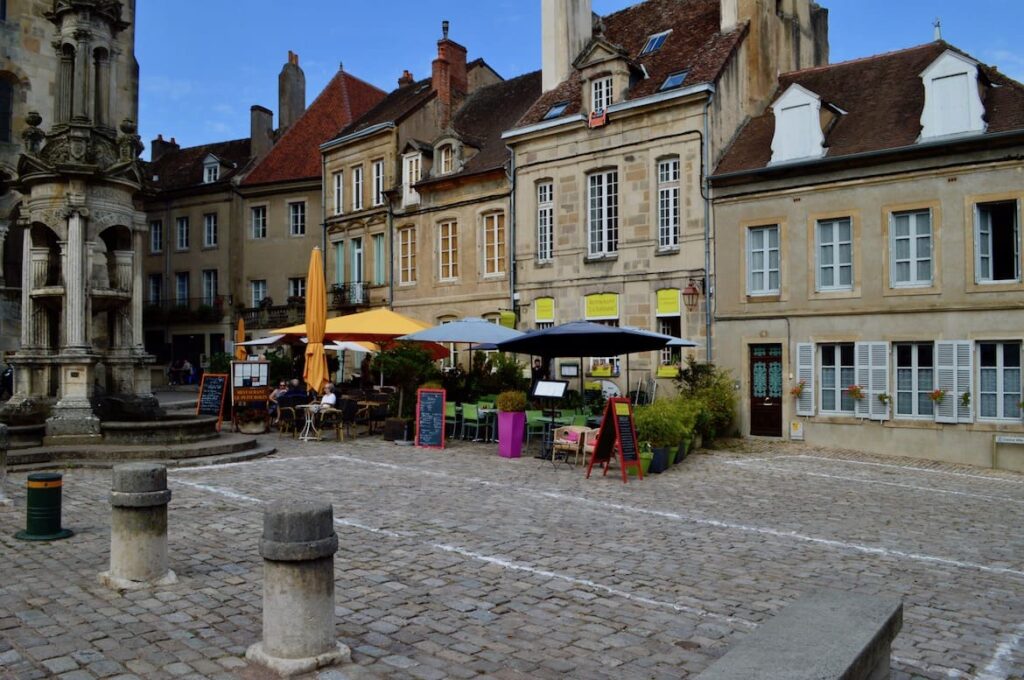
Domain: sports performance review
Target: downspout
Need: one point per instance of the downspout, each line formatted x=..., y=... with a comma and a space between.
x=323, y=213
x=708, y=286
x=391, y=251
x=511, y=174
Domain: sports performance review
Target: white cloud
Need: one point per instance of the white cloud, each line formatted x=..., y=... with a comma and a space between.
x=171, y=88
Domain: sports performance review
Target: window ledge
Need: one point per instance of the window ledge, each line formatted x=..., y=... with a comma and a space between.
x=770, y=297
x=544, y=263
x=838, y=419
x=597, y=259
x=913, y=424
x=673, y=250
x=211, y=247
x=996, y=426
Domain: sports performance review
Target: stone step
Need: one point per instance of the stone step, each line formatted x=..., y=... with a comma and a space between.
x=69, y=456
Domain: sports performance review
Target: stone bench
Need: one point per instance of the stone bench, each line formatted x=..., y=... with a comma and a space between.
x=823, y=635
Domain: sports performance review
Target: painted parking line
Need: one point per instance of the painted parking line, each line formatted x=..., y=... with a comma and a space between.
x=1001, y=664
x=894, y=466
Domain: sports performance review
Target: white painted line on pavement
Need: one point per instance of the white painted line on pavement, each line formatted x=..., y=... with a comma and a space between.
x=219, y=490
x=909, y=468
x=929, y=668
x=860, y=480
x=832, y=543
x=1000, y=667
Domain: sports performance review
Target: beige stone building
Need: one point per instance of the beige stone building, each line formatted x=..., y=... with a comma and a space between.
x=870, y=219
x=609, y=165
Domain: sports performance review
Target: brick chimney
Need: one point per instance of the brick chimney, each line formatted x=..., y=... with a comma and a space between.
x=159, y=148
x=261, y=130
x=291, y=92
x=566, y=28
x=449, y=75
x=406, y=78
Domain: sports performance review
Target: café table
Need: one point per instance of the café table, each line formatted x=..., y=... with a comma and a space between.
x=309, y=430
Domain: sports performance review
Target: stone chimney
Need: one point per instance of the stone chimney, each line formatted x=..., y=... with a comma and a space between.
x=449, y=75
x=406, y=78
x=291, y=92
x=159, y=148
x=261, y=130
x=566, y=28
x=730, y=14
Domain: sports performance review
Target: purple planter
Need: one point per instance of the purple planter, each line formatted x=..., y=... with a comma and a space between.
x=511, y=425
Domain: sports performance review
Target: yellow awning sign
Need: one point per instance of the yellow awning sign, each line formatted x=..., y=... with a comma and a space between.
x=601, y=306
x=668, y=302
x=507, y=319
x=668, y=371
x=544, y=310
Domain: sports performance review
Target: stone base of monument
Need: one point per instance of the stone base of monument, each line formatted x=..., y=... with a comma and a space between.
x=289, y=667
x=114, y=583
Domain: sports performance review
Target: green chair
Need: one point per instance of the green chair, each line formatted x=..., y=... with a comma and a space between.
x=536, y=423
x=471, y=418
x=579, y=420
x=451, y=418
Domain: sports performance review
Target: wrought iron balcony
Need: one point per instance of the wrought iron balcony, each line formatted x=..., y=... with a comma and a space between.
x=209, y=309
x=348, y=295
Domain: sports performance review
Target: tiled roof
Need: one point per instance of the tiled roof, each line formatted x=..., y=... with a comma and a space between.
x=184, y=168
x=695, y=44
x=882, y=97
x=392, y=108
x=297, y=154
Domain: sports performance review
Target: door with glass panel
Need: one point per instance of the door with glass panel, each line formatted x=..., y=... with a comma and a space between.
x=766, y=390
x=358, y=286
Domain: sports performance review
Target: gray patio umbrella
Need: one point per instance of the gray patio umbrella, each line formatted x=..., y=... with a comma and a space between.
x=471, y=331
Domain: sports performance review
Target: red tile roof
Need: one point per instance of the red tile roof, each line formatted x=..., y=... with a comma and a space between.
x=882, y=97
x=695, y=44
x=296, y=155
x=183, y=168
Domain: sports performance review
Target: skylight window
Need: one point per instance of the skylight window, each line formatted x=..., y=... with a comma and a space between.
x=673, y=81
x=654, y=43
x=556, y=110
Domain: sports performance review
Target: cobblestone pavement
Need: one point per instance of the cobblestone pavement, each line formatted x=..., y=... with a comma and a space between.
x=458, y=563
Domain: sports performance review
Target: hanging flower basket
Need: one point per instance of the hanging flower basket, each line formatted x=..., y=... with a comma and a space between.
x=856, y=392
x=937, y=395
x=798, y=389
x=884, y=399
x=965, y=399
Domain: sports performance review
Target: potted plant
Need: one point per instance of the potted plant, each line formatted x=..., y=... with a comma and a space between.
x=937, y=395
x=856, y=392
x=645, y=455
x=511, y=423
x=884, y=399
x=659, y=424
x=798, y=389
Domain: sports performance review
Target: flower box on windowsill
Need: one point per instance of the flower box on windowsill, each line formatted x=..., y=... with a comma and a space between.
x=602, y=372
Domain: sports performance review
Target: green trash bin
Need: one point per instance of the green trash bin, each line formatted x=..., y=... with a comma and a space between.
x=42, y=508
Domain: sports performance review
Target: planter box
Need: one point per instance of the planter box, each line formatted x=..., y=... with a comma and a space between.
x=645, y=464
x=659, y=463
x=395, y=429
x=511, y=426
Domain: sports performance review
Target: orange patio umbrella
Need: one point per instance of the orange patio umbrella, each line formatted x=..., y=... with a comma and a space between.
x=240, y=353
x=315, y=373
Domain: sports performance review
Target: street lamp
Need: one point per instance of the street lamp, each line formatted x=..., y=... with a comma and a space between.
x=691, y=294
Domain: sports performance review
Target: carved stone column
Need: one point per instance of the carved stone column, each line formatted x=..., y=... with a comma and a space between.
x=82, y=103
x=26, y=289
x=5, y=226
x=139, y=236
x=75, y=284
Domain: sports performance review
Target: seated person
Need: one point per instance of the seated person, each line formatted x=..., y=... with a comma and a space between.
x=329, y=398
x=282, y=389
x=296, y=391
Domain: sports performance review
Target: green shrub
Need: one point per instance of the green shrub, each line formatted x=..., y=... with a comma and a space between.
x=713, y=387
x=511, y=400
x=406, y=365
x=659, y=423
x=220, y=363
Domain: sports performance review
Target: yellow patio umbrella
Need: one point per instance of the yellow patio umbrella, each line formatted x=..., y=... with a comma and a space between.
x=376, y=325
x=315, y=373
x=240, y=353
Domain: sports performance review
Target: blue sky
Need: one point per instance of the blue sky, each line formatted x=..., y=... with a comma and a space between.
x=203, y=64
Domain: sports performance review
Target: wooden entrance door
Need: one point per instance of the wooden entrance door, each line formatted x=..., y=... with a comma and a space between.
x=766, y=390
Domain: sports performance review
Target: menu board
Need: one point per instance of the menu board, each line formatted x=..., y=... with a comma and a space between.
x=212, y=390
x=617, y=437
x=430, y=418
x=250, y=373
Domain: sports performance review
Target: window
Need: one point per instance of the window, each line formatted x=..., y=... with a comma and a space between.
x=259, y=291
x=339, y=195
x=915, y=379
x=910, y=245
x=952, y=102
x=668, y=203
x=447, y=159
x=297, y=218
x=556, y=110
x=603, y=214
x=601, y=94
x=6, y=110
x=209, y=230
x=999, y=393
x=209, y=286
x=605, y=365
x=357, y=289
x=837, y=374
x=357, y=187
x=835, y=255
x=297, y=287
x=545, y=221
x=670, y=325
x=798, y=133
x=155, y=288
x=763, y=260
x=452, y=360
x=182, y=242
x=378, y=182
x=211, y=172
x=181, y=288
x=410, y=175
x=674, y=80
x=996, y=242
x=494, y=244
x=156, y=236
x=654, y=43
x=379, y=258
x=339, y=262
x=258, y=216
x=407, y=255
x=449, y=250
x=3, y=10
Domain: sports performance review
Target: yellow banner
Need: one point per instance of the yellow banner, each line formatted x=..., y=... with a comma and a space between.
x=544, y=310
x=601, y=306
x=508, y=319
x=668, y=302
x=668, y=371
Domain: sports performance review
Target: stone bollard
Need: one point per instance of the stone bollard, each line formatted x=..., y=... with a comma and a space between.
x=298, y=547
x=138, y=528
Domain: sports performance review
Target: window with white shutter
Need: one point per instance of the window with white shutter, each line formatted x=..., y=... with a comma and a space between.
x=805, y=375
x=953, y=375
x=878, y=409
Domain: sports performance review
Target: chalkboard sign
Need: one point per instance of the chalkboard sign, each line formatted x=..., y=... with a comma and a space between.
x=212, y=390
x=430, y=418
x=617, y=436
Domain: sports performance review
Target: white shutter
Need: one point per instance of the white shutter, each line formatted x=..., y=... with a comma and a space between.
x=862, y=375
x=805, y=373
x=879, y=380
x=945, y=379
x=964, y=380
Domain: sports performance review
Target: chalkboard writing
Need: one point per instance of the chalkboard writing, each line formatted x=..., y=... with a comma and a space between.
x=617, y=435
x=430, y=406
x=211, y=396
x=627, y=436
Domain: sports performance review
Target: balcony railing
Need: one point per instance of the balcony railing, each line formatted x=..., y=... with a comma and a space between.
x=274, y=316
x=169, y=311
x=349, y=295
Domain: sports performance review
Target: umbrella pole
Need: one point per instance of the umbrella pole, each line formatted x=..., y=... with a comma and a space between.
x=627, y=376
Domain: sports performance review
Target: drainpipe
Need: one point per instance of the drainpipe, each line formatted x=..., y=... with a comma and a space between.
x=391, y=250
x=323, y=213
x=708, y=286
x=511, y=174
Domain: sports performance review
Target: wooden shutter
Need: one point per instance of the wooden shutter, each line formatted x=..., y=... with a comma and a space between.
x=945, y=379
x=805, y=373
x=862, y=375
x=964, y=381
x=879, y=380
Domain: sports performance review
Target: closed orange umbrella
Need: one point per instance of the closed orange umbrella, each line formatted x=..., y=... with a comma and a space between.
x=240, y=353
x=315, y=373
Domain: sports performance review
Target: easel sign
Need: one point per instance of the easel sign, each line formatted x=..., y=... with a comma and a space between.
x=430, y=406
x=618, y=436
x=212, y=391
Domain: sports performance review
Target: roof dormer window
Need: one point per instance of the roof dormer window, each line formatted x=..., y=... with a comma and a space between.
x=673, y=81
x=601, y=94
x=556, y=110
x=447, y=156
x=952, y=102
x=211, y=170
x=654, y=42
x=798, y=133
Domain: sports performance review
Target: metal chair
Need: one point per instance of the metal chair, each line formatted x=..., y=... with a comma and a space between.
x=535, y=424
x=451, y=419
x=471, y=418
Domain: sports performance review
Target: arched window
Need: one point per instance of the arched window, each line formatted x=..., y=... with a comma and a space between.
x=6, y=110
